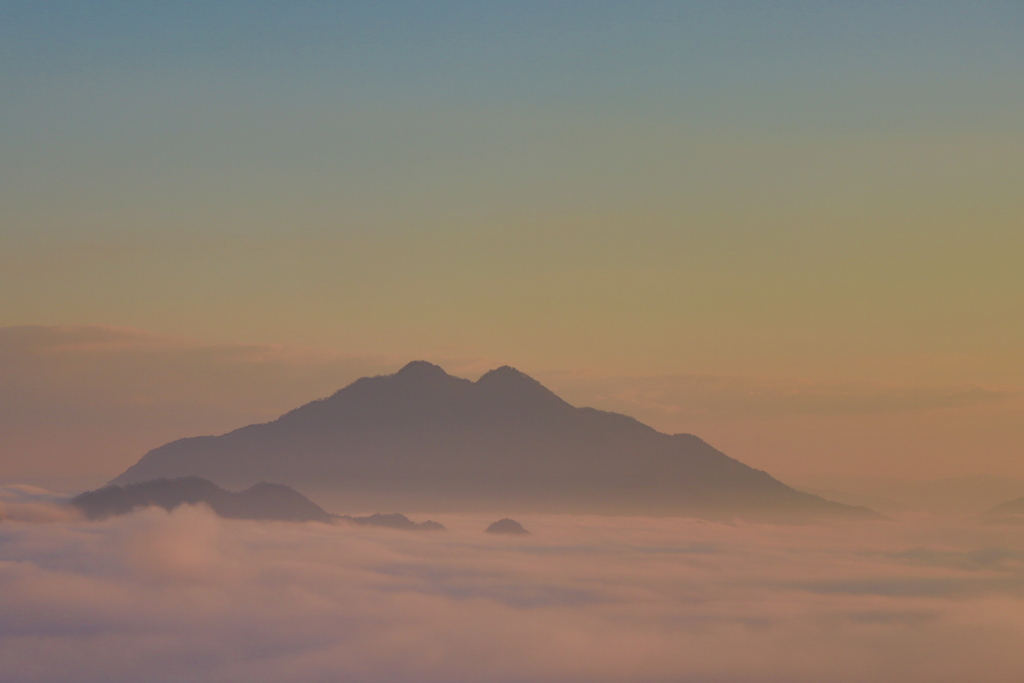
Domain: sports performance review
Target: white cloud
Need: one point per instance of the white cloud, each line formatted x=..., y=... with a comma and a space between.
x=187, y=596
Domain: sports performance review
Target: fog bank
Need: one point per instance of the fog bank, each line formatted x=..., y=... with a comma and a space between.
x=188, y=596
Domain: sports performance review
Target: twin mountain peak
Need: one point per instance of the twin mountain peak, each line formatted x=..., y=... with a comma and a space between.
x=425, y=440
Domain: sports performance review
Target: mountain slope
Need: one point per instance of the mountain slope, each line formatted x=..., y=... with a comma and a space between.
x=394, y=520
x=1010, y=512
x=263, y=501
x=423, y=439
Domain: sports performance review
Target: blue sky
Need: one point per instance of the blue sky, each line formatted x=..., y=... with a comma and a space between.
x=823, y=192
x=817, y=156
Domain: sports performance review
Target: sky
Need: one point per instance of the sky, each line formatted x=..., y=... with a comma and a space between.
x=792, y=228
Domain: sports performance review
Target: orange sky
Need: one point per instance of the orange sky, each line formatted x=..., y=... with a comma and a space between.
x=81, y=404
x=793, y=230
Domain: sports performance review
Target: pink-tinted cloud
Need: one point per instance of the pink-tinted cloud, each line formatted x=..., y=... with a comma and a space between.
x=22, y=503
x=187, y=596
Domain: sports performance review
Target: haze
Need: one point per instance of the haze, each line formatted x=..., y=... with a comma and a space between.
x=792, y=229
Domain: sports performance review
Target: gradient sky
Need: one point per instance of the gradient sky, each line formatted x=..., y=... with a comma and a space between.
x=783, y=194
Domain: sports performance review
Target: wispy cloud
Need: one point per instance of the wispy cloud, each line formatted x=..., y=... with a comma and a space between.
x=724, y=397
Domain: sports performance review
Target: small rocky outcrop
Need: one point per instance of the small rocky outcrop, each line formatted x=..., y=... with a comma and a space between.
x=264, y=501
x=506, y=526
x=394, y=520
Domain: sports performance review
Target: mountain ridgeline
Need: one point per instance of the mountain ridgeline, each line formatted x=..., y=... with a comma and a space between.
x=423, y=439
x=1010, y=512
x=262, y=501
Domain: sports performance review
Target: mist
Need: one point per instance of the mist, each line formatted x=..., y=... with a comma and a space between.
x=186, y=595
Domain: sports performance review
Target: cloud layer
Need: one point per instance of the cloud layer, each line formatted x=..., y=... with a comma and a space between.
x=187, y=596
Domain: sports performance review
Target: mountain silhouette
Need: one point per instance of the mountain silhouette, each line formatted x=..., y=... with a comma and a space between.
x=263, y=501
x=1010, y=512
x=423, y=439
x=394, y=520
x=506, y=526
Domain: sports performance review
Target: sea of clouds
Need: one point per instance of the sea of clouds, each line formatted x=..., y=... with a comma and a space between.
x=187, y=596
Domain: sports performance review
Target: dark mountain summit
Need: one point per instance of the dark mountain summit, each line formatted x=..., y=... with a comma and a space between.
x=394, y=520
x=423, y=439
x=262, y=501
x=506, y=526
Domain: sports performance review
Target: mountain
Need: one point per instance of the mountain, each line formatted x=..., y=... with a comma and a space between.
x=506, y=526
x=395, y=520
x=263, y=501
x=1010, y=512
x=949, y=497
x=423, y=439
x=889, y=508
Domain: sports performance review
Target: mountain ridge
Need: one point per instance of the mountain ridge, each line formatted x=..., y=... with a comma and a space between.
x=1010, y=512
x=423, y=438
x=261, y=501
